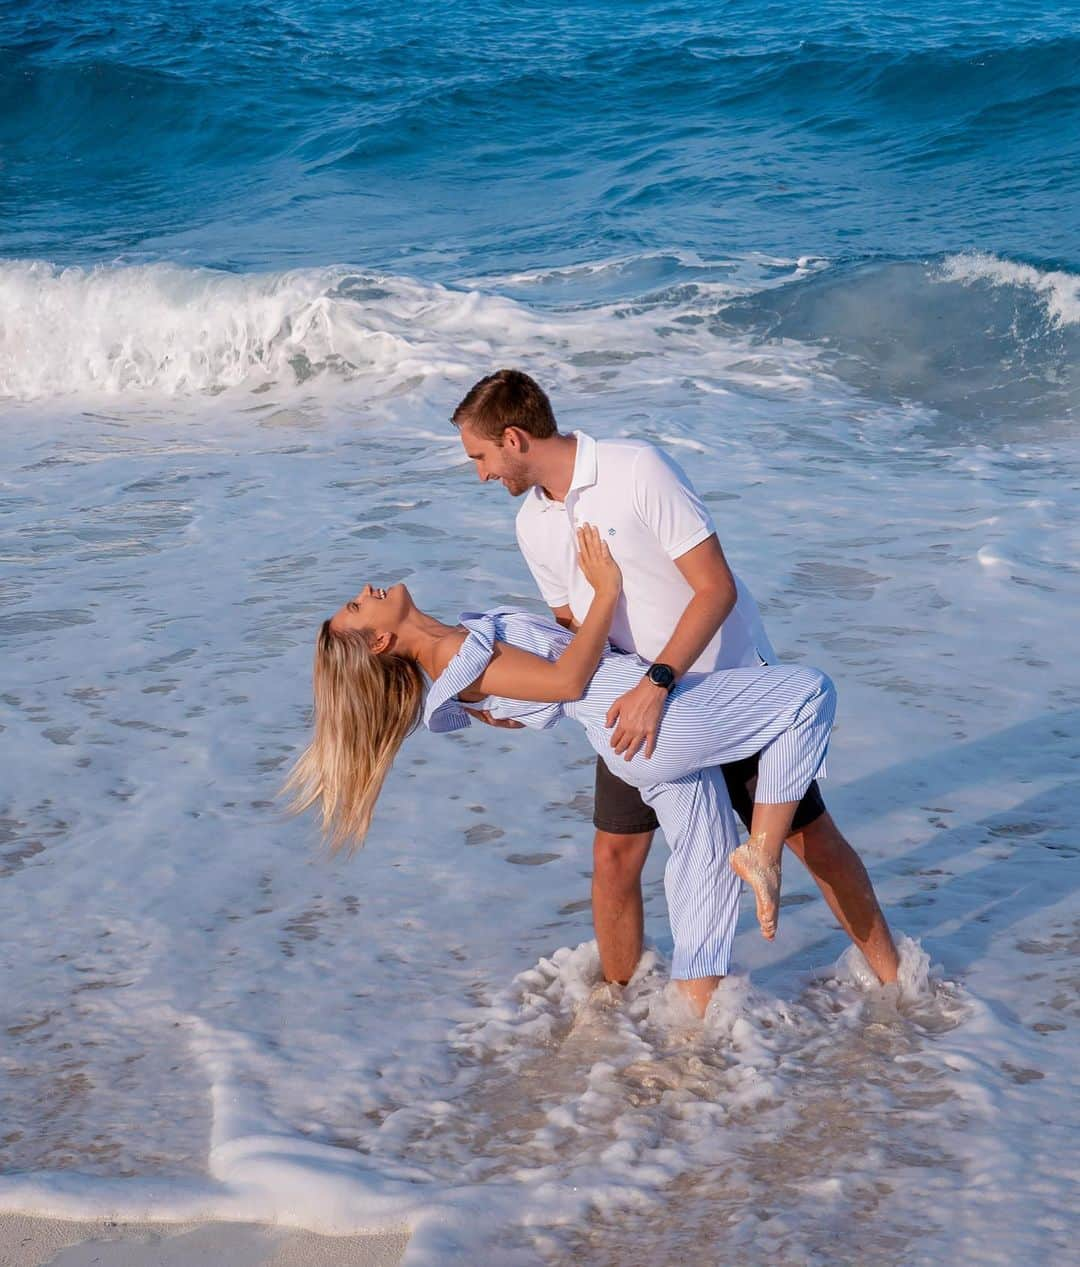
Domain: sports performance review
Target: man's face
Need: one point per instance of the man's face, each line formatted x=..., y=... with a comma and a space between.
x=503, y=462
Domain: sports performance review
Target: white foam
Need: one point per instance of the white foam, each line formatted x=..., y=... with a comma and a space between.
x=161, y=331
x=1058, y=290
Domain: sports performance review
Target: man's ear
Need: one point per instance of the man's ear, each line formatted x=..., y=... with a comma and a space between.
x=380, y=642
x=516, y=440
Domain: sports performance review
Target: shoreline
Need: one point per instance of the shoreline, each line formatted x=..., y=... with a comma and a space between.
x=40, y=1240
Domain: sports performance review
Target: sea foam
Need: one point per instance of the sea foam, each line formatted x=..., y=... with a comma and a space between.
x=1059, y=291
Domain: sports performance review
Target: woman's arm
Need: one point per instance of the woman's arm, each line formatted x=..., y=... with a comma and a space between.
x=518, y=674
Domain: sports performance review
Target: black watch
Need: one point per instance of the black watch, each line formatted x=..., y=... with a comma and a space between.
x=661, y=675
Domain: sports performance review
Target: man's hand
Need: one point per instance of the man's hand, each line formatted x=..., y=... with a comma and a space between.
x=503, y=723
x=637, y=714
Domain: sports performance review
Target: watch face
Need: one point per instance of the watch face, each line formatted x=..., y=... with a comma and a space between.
x=662, y=675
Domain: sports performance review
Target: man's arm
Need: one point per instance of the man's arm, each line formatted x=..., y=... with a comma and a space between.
x=706, y=571
x=636, y=715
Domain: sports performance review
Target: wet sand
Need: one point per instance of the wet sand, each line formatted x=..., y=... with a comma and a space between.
x=34, y=1242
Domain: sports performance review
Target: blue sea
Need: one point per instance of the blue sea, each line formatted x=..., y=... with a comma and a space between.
x=251, y=257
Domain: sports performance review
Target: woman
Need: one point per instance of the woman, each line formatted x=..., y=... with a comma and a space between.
x=370, y=663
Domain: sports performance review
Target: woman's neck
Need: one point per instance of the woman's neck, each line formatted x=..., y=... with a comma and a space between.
x=419, y=638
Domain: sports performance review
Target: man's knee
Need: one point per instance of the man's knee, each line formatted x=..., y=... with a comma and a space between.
x=823, y=847
x=620, y=858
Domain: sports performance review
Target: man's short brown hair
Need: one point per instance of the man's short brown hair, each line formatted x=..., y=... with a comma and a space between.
x=507, y=398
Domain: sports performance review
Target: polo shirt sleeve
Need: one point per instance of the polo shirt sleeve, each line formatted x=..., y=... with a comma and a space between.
x=665, y=501
x=551, y=581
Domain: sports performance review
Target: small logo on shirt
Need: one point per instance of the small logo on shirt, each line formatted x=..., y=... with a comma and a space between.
x=611, y=532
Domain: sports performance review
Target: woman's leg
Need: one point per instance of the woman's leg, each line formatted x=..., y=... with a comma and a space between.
x=787, y=766
x=757, y=862
x=715, y=718
x=702, y=891
x=783, y=712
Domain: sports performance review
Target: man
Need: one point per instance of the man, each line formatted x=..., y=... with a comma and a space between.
x=682, y=610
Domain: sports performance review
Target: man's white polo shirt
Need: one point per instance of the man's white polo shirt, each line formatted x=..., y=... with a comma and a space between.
x=648, y=513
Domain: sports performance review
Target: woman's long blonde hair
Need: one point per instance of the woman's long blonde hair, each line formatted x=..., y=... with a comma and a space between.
x=366, y=705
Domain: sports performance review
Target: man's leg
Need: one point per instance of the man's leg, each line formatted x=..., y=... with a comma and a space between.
x=840, y=875
x=836, y=867
x=618, y=909
x=624, y=831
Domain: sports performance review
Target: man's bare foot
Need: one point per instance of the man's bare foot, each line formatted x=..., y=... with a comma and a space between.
x=764, y=878
x=605, y=995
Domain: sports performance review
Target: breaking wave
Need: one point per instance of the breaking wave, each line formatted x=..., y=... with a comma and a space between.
x=972, y=336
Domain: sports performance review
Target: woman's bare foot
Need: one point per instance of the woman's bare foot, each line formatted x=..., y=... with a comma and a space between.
x=750, y=865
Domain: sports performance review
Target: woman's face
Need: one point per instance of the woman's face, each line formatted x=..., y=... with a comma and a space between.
x=374, y=611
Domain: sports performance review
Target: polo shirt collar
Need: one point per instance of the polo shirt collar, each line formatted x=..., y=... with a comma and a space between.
x=584, y=463
x=584, y=475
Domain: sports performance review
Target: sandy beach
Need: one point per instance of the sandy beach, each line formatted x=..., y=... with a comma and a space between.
x=41, y=1242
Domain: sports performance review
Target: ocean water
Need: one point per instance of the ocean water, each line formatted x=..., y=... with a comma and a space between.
x=251, y=256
